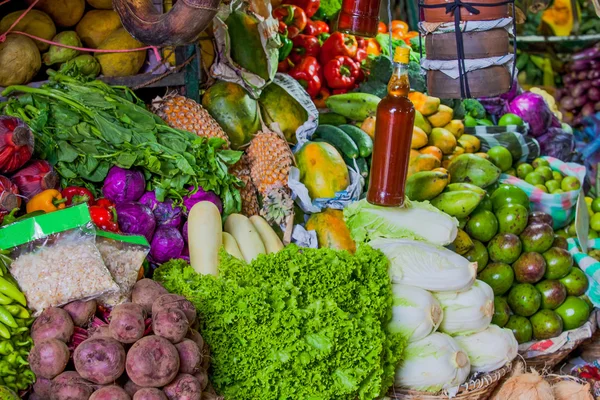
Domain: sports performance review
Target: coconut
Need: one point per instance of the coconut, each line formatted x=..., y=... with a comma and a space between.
x=524, y=386
x=569, y=389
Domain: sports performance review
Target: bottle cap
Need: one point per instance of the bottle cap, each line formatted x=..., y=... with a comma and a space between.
x=401, y=55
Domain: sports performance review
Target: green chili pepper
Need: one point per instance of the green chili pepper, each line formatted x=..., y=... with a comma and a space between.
x=6, y=348
x=6, y=369
x=319, y=15
x=286, y=47
x=10, y=290
x=5, y=300
x=19, y=330
x=23, y=343
x=17, y=311
x=29, y=375
x=4, y=332
x=6, y=318
x=15, y=359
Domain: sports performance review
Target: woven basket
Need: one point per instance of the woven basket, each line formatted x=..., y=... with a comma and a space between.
x=476, y=389
x=590, y=348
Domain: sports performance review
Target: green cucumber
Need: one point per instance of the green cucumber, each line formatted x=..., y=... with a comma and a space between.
x=338, y=139
x=332, y=119
x=361, y=163
x=360, y=137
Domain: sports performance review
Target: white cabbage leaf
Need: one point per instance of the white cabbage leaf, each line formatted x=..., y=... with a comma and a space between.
x=415, y=312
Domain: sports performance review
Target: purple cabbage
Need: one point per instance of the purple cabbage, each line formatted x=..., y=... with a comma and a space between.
x=184, y=231
x=136, y=218
x=122, y=185
x=532, y=109
x=201, y=195
x=500, y=105
x=167, y=243
x=514, y=91
x=557, y=143
x=164, y=212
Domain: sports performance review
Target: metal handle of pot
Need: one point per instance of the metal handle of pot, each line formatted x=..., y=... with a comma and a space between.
x=180, y=25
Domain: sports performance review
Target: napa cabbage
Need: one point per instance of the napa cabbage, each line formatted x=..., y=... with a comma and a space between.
x=415, y=312
x=490, y=349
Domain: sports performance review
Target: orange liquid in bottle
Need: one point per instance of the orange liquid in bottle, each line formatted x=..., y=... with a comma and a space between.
x=359, y=17
x=393, y=135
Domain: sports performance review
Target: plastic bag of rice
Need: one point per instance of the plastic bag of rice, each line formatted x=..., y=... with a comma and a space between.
x=55, y=259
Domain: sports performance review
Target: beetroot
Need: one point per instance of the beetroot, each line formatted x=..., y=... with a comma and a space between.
x=42, y=387
x=110, y=393
x=100, y=360
x=131, y=388
x=183, y=387
x=202, y=377
x=195, y=336
x=49, y=358
x=81, y=312
x=172, y=324
x=190, y=356
x=127, y=323
x=211, y=396
x=150, y=394
x=167, y=301
x=70, y=386
x=145, y=292
x=53, y=323
x=152, y=361
x=99, y=331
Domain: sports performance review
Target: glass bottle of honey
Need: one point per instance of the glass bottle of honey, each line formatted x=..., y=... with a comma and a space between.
x=393, y=135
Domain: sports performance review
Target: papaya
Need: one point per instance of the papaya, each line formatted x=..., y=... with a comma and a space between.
x=322, y=170
x=277, y=105
x=64, y=13
x=443, y=139
x=419, y=138
x=441, y=117
x=120, y=64
x=233, y=108
x=332, y=231
x=247, y=48
x=96, y=26
x=422, y=123
x=35, y=22
x=457, y=128
x=426, y=105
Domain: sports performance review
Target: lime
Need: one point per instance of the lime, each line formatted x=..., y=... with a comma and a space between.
x=544, y=171
x=570, y=183
x=534, y=178
x=523, y=170
x=596, y=205
x=482, y=226
x=592, y=234
x=552, y=185
x=571, y=230
x=595, y=222
x=557, y=176
x=557, y=191
x=501, y=157
x=470, y=122
x=538, y=162
x=542, y=188
x=510, y=119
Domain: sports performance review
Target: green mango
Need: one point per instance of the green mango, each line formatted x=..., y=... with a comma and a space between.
x=457, y=204
x=469, y=168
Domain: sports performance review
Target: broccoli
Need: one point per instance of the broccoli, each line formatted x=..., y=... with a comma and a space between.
x=474, y=108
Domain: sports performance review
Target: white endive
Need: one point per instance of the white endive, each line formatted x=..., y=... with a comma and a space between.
x=490, y=349
x=426, y=266
x=415, y=312
x=467, y=312
x=434, y=363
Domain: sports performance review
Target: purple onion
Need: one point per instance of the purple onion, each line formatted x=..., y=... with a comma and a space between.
x=122, y=185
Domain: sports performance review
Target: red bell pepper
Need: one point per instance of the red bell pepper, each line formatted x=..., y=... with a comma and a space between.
x=293, y=17
x=77, y=195
x=323, y=37
x=338, y=44
x=320, y=98
x=308, y=73
x=285, y=65
x=361, y=43
x=282, y=29
x=341, y=72
x=104, y=215
x=340, y=91
x=310, y=7
x=304, y=45
x=361, y=55
x=315, y=28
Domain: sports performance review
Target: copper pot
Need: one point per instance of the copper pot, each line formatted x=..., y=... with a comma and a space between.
x=485, y=13
x=486, y=82
x=181, y=25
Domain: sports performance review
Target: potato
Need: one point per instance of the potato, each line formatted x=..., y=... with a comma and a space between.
x=35, y=22
x=121, y=64
x=20, y=60
x=64, y=13
x=96, y=26
x=101, y=4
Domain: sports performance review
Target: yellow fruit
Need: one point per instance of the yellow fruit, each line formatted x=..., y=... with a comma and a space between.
x=423, y=162
x=368, y=125
x=35, y=22
x=96, y=26
x=421, y=122
x=64, y=13
x=20, y=60
x=120, y=64
x=332, y=231
x=426, y=105
x=322, y=170
x=442, y=117
x=457, y=127
x=470, y=143
x=414, y=154
x=419, y=138
x=443, y=139
x=434, y=151
x=443, y=170
x=483, y=155
x=463, y=242
x=426, y=185
x=101, y=4
x=458, y=151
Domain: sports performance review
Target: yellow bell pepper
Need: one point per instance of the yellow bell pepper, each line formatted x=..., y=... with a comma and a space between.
x=47, y=201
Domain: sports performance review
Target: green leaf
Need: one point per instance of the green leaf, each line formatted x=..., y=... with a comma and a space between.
x=112, y=132
x=66, y=152
x=100, y=172
x=126, y=160
x=184, y=166
x=65, y=171
x=230, y=157
x=64, y=115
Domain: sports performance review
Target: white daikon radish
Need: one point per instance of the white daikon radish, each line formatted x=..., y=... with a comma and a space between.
x=231, y=246
x=268, y=236
x=205, y=237
x=245, y=235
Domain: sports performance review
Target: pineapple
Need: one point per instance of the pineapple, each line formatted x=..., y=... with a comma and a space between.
x=248, y=193
x=270, y=160
x=182, y=113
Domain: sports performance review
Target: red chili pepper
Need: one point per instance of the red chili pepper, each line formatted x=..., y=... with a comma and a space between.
x=77, y=195
x=308, y=73
x=361, y=43
x=338, y=44
x=341, y=72
x=310, y=7
x=320, y=98
x=293, y=17
x=361, y=76
x=304, y=45
x=315, y=28
x=285, y=65
x=361, y=54
x=104, y=215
